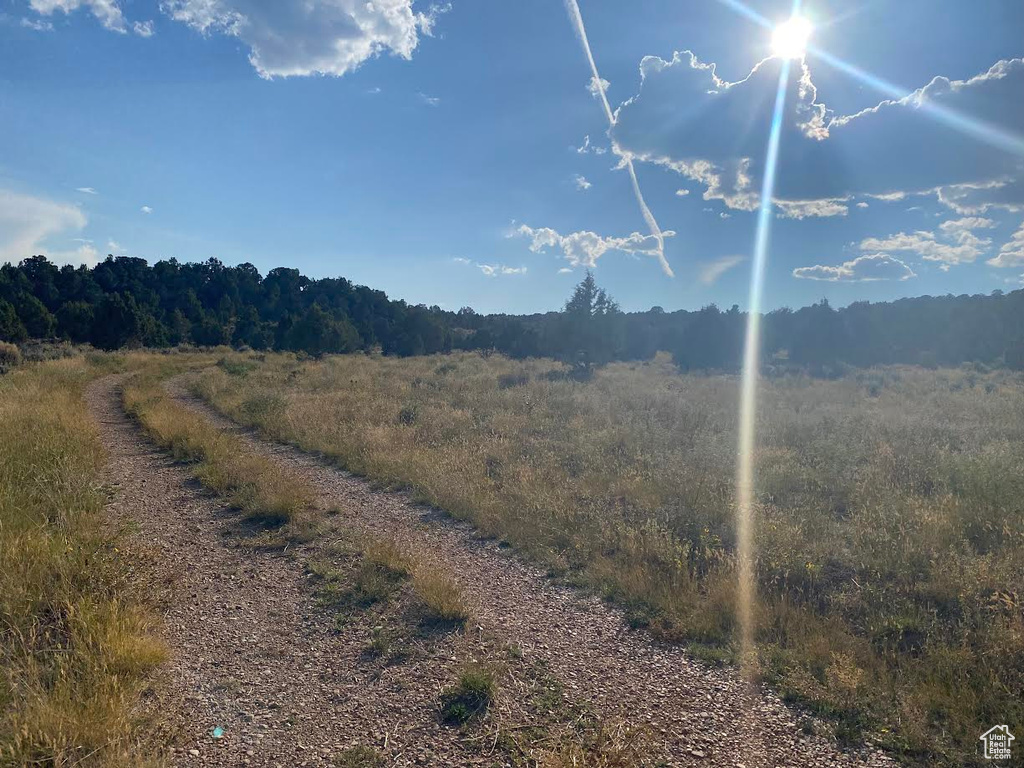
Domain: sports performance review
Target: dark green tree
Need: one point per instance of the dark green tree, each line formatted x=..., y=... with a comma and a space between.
x=37, y=319
x=75, y=321
x=11, y=327
x=590, y=328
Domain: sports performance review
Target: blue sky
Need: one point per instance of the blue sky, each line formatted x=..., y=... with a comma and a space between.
x=440, y=152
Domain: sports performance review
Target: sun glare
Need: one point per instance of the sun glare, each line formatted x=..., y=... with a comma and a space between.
x=789, y=39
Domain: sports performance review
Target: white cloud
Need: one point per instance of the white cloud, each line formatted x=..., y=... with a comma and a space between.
x=287, y=39
x=374, y=91
x=84, y=254
x=1012, y=252
x=953, y=244
x=724, y=215
x=107, y=12
x=581, y=183
x=862, y=204
x=26, y=221
x=889, y=197
x=491, y=270
x=587, y=148
x=146, y=209
x=802, y=209
x=599, y=90
x=86, y=190
x=972, y=199
x=682, y=192
x=712, y=270
x=143, y=28
x=585, y=248
x=689, y=120
x=868, y=268
x=430, y=101
x=37, y=24
x=956, y=227
x=597, y=86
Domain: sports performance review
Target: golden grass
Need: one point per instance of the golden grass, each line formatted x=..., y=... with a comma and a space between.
x=76, y=635
x=267, y=493
x=440, y=594
x=890, y=531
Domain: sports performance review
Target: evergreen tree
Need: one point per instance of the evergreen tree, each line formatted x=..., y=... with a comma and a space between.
x=11, y=327
x=75, y=321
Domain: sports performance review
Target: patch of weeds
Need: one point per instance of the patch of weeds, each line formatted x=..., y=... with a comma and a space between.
x=388, y=645
x=470, y=698
x=408, y=415
x=373, y=584
x=359, y=757
x=378, y=577
x=595, y=743
x=236, y=367
x=389, y=556
x=263, y=408
x=510, y=380
x=441, y=597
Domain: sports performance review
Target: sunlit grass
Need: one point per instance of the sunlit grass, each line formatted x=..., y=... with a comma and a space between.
x=266, y=493
x=77, y=640
x=889, y=534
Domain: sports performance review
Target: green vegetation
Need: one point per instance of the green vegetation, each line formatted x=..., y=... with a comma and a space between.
x=470, y=697
x=126, y=302
x=890, y=532
x=360, y=757
x=76, y=632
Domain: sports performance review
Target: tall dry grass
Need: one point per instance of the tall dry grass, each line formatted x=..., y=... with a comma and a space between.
x=76, y=633
x=265, y=492
x=890, y=531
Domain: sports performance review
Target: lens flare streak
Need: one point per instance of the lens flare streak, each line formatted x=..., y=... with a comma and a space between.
x=751, y=367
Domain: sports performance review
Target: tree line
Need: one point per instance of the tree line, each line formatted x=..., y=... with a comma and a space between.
x=125, y=302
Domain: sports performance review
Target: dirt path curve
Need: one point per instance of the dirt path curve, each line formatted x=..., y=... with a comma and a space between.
x=699, y=715
x=251, y=651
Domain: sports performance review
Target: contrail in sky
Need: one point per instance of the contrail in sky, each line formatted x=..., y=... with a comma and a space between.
x=581, y=32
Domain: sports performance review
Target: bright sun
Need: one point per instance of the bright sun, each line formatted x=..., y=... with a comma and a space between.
x=789, y=40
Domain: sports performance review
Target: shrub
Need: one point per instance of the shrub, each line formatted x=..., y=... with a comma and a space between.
x=10, y=356
x=407, y=416
x=237, y=367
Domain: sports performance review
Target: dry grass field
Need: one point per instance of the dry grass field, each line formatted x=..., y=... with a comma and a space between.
x=76, y=629
x=890, y=532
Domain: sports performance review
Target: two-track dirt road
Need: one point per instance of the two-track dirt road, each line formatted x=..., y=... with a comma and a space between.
x=254, y=653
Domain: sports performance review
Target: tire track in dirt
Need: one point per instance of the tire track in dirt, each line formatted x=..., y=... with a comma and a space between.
x=696, y=715
x=252, y=652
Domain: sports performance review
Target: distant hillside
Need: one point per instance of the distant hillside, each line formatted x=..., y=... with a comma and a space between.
x=125, y=302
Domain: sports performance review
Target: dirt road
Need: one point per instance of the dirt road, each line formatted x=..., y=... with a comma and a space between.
x=255, y=655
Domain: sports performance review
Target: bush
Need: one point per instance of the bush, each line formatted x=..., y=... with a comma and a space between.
x=10, y=356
